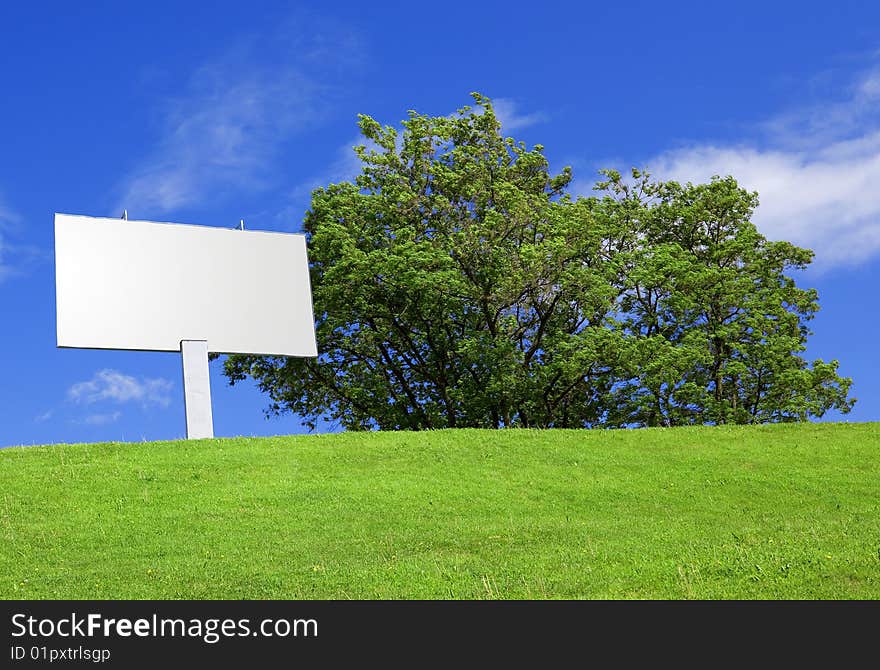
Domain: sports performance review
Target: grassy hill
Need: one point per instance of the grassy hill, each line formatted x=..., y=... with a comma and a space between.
x=730, y=512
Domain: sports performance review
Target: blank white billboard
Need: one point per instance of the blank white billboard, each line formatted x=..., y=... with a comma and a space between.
x=143, y=285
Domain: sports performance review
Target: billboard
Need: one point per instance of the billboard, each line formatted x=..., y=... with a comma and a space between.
x=145, y=285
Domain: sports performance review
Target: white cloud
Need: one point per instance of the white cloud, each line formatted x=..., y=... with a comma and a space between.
x=507, y=113
x=8, y=218
x=226, y=132
x=45, y=416
x=224, y=136
x=816, y=174
x=4, y=267
x=850, y=113
x=15, y=258
x=114, y=386
x=101, y=419
x=345, y=167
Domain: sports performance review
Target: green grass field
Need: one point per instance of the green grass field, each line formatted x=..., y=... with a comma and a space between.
x=730, y=512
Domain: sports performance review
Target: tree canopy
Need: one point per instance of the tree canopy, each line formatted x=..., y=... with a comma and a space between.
x=457, y=282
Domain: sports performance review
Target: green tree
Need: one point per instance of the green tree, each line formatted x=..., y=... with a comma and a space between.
x=714, y=327
x=456, y=283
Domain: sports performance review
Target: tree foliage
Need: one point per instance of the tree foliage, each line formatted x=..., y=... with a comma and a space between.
x=457, y=283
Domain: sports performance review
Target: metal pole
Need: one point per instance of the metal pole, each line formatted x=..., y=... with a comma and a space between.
x=196, y=389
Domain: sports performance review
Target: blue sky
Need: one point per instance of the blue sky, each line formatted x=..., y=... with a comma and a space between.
x=212, y=112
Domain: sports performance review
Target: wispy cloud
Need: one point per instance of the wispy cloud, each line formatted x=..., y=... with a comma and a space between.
x=8, y=218
x=816, y=170
x=848, y=112
x=345, y=167
x=112, y=385
x=45, y=416
x=224, y=134
x=508, y=114
x=101, y=419
x=15, y=258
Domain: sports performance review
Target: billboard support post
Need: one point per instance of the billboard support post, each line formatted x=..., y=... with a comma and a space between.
x=196, y=389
